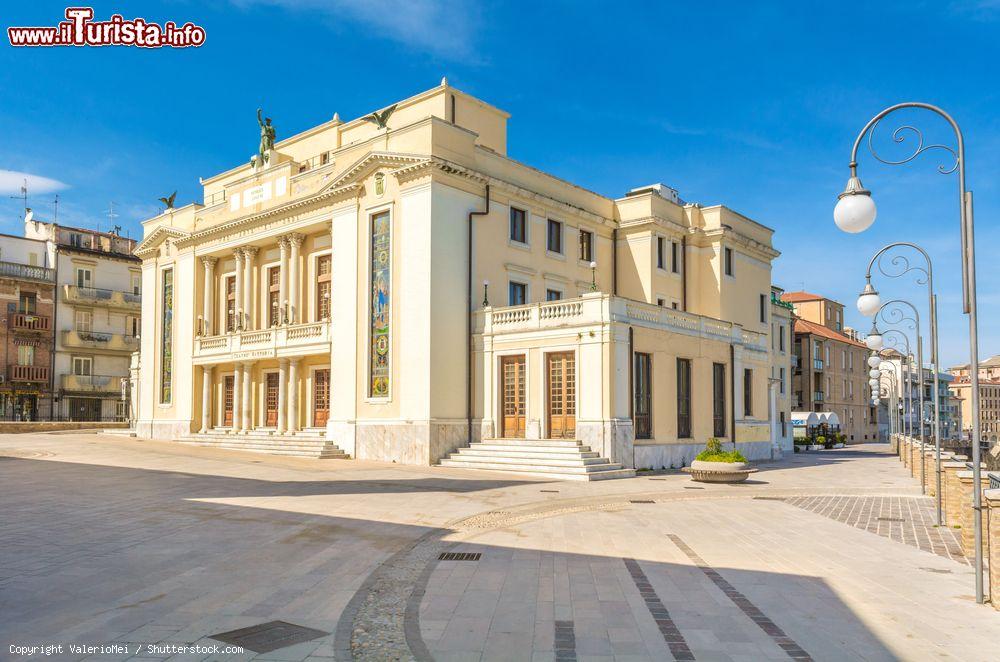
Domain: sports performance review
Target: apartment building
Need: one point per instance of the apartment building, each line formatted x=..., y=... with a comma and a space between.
x=832, y=369
x=27, y=290
x=396, y=287
x=96, y=321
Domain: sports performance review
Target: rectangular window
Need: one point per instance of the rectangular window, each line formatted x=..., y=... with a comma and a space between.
x=684, y=398
x=136, y=284
x=25, y=354
x=661, y=253
x=781, y=417
x=27, y=303
x=642, y=387
x=381, y=304
x=274, y=296
x=517, y=294
x=781, y=337
x=84, y=321
x=661, y=302
x=555, y=235
x=324, y=269
x=84, y=277
x=132, y=326
x=553, y=295
x=586, y=245
x=518, y=229
x=719, y=399
x=32, y=259
x=782, y=380
x=763, y=309
x=675, y=305
x=675, y=261
x=166, y=342
x=83, y=365
x=231, y=303
x=747, y=392
x=729, y=261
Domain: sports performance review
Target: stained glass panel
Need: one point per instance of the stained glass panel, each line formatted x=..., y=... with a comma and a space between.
x=380, y=304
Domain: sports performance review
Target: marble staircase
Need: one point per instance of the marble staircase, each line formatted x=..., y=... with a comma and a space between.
x=304, y=443
x=558, y=459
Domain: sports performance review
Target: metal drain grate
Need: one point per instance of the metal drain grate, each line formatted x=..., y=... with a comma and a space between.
x=459, y=556
x=551, y=491
x=657, y=478
x=269, y=636
x=641, y=501
x=890, y=519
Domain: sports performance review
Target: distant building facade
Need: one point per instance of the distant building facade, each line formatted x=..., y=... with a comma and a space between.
x=27, y=293
x=831, y=374
x=96, y=319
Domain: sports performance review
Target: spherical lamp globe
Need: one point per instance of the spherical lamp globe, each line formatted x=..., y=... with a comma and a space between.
x=869, y=301
x=854, y=212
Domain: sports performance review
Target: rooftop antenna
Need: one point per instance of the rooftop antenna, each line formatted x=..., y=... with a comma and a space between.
x=111, y=214
x=55, y=209
x=23, y=196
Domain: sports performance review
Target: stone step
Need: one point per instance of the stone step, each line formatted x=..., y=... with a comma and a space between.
x=574, y=462
x=274, y=445
x=551, y=454
x=588, y=473
x=518, y=448
x=563, y=443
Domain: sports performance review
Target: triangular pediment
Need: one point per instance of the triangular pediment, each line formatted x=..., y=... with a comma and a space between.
x=161, y=234
x=371, y=162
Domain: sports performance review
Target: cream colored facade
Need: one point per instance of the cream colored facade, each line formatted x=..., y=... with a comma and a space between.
x=490, y=267
x=989, y=406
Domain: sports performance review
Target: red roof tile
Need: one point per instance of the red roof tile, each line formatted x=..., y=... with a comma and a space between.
x=805, y=326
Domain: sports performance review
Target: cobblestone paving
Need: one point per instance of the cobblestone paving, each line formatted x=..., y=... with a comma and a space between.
x=909, y=520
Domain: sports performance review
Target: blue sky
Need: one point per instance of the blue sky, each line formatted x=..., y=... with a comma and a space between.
x=751, y=104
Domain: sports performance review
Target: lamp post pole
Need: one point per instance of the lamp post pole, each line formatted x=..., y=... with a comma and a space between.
x=855, y=212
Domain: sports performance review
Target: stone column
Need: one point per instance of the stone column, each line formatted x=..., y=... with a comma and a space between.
x=950, y=493
x=283, y=281
x=247, y=406
x=238, y=255
x=206, y=398
x=237, y=395
x=249, y=254
x=295, y=241
x=282, y=394
x=991, y=506
x=208, y=328
x=293, y=395
x=967, y=485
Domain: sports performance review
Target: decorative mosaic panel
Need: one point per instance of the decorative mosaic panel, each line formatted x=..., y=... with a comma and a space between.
x=166, y=346
x=381, y=304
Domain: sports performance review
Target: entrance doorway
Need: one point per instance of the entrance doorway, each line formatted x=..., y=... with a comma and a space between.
x=227, y=401
x=560, y=380
x=84, y=409
x=512, y=397
x=642, y=403
x=271, y=400
x=321, y=397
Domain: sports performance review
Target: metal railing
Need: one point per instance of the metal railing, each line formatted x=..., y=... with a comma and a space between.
x=817, y=364
x=100, y=296
x=29, y=322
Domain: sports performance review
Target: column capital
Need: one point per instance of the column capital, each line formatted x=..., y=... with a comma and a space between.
x=249, y=252
x=283, y=242
x=238, y=254
x=295, y=239
x=283, y=362
x=209, y=261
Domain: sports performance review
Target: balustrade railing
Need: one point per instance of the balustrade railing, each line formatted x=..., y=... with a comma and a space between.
x=27, y=271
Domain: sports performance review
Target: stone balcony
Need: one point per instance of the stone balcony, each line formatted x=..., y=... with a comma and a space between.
x=278, y=341
x=91, y=383
x=102, y=342
x=92, y=296
x=29, y=322
x=598, y=308
x=28, y=373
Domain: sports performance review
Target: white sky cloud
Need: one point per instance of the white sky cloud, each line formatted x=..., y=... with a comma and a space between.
x=443, y=29
x=12, y=180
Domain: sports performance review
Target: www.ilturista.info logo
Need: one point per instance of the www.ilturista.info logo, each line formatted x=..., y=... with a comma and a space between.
x=79, y=29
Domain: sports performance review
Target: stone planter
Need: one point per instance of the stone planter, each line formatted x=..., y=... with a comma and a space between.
x=815, y=447
x=719, y=472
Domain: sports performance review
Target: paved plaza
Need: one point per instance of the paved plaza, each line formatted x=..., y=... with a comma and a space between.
x=152, y=547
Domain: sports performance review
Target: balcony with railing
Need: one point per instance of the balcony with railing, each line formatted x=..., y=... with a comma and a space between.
x=93, y=296
x=818, y=396
x=29, y=322
x=285, y=340
x=109, y=342
x=27, y=272
x=28, y=373
x=817, y=364
x=91, y=383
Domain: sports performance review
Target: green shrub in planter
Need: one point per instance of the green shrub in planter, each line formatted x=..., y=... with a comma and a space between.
x=713, y=453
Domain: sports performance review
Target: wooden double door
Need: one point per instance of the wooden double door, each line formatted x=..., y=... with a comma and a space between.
x=560, y=395
x=321, y=398
x=227, y=400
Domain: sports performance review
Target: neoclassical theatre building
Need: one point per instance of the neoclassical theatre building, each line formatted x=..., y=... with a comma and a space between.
x=397, y=288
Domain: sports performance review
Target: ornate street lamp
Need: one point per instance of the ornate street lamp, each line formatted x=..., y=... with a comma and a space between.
x=593, y=276
x=869, y=304
x=855, y=212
